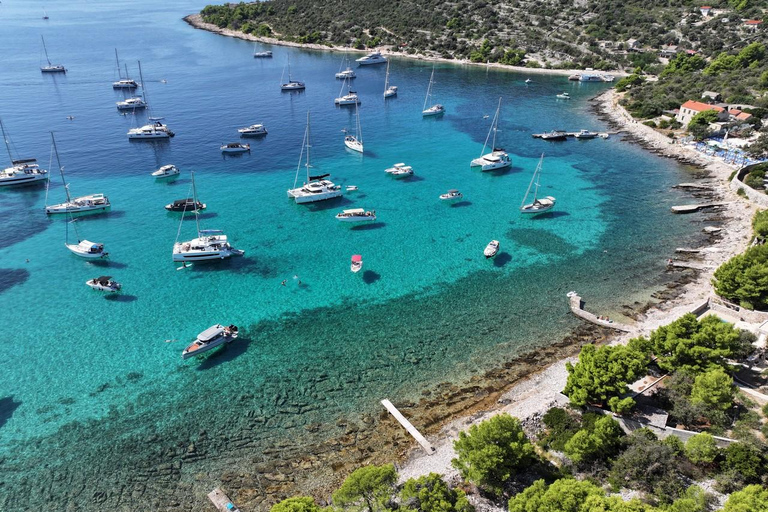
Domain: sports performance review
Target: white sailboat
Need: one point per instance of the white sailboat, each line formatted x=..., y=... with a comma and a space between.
x=347, y=73
x=291, y=84
x=350, y=98
x=539, y=205
x=156, y=129
x=355, y=142
x=123, y=83
x=84, y=204
x=497, y=158
x=51, y=68
x=210, y=244
x=389, y=90
x=83, y=248
x=316, y=188
x=22, y=171
x=436, y=109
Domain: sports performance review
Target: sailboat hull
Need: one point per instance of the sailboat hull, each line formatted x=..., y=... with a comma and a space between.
x=18, y=181
x=53, y=69
x=540, y=206
x=353, y=144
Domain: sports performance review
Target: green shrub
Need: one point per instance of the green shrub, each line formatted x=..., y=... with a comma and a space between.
x=753, y=498
x=296, y=504
x=369, y=486
x=743, y=278
x=430, y=493
x=713, y=389
x=561, y=426
x=701, y=449
x=598, y=443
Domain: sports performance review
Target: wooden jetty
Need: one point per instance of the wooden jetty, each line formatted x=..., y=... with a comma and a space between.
x=578, y=310
x=221, y=501
x=409, y=427
x=690, y=208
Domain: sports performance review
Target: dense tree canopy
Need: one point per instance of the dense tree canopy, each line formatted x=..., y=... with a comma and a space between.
x=599, y=442
x=369, y=486
x=296, y=504
x=753, y=498
x=430, y=493
x=491, y=452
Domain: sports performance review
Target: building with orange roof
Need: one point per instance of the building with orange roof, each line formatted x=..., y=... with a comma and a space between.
x=690, y=108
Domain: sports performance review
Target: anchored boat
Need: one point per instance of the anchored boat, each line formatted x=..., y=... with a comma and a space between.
x=212, y=337
x=104, y=284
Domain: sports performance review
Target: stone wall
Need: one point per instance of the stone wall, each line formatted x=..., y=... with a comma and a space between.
x=758, y=197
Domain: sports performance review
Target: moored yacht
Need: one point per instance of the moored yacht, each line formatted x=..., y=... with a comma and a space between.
x=539, y=205
x=452, y=195
x=83, y=204
x=372, y=58
x=185, y=205
x=491, y=249
x=88, y=250
x=156, y=130
x=291, y=84
x=497, y=158
x=347, y=73
x=436, y=109
x=400, y=170
x=123, y=83
x=356, y=215
x=262, y=55
x=104, y=284
x=235, y=147
x=210, y=244
x=212, y=337
x=21, y=172
x=355, y=142
x=166, y=171
x=350, y=98
x=389, y=90
x=255, y=130
x=586, y=134
x=136, y=103
x=51, y=68
x=316, y=188
x=554, y=135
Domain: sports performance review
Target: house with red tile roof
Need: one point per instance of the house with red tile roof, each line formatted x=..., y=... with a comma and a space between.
x=690, y=108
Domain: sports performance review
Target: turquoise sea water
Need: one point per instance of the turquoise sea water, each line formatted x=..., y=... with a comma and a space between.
x=85, y=379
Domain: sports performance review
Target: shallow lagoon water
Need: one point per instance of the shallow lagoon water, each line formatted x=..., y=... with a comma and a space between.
x=84, y=376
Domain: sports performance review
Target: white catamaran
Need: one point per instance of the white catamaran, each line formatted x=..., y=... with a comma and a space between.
x=22, y=171
x=539, y=205
x=316, y=188
x=436, y=109
x=497, y=158
x=155, y=130
x=355, y=142
x=123, y=83
x=51, y=68
x=84, y=204
x=210, y=244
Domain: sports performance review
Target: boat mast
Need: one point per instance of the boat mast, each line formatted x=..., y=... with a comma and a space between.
x=5, y=139
x=309, y=145
x=429, y=88
x=495, y=125
x=126, y=69
x=61, y=168
x=117, y=59
x=46, y=51
x=386, y=79
x=358, y=126
x=194, y=206
x=143, y=89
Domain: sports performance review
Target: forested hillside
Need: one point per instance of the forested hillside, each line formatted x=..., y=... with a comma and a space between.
x=552, y=33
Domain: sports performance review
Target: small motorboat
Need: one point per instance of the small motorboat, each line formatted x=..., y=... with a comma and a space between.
x=554, y=135
x=586, y=134
x=185, y=205
x=262, y=55
x=255, y=130
x=351, y=188
x=356, y=215
x=235, y=147
x=564, y=96
x=528, y=80
x=104, y=284
x=88, y=250
x=357, y=263
x=575, y=77
x=210, y=338
x=451, y=195
x=491, y=249
x=166, y=171
x=400, y=170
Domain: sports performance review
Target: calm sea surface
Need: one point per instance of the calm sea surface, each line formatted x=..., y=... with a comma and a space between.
x=90, y=391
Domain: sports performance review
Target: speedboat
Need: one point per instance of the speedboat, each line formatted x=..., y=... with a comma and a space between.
x=88, y=250
x=90, y=203
x=497, y=159
x=575, y=77
x=554, y=135
x=564, y=96
x=590, y=78
x=236, y=147
x=347, y=73
x=356, y=215
x=434, y=110
x=351, y=188
x=210, y=244
x=255, y=130
x=400, y=170
x=262, y=55
x=292, y=85
x=185, y=205
x=135, y=103
x=125, y=83
x=156, y=130
x=451, y=195
x=372, y=58
x=23, y=172
x=166, y=171
x=357, y=263
x=210, y=338
x=104, y=284
x=348, y=99
x=491, y=249
x=586, y=134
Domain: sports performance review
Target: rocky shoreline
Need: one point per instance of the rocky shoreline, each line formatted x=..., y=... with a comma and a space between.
x=196, y=21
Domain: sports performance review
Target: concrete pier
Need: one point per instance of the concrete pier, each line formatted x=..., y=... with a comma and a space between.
x=690, y=208
x=221, y=501
x=577, y=309
x=409, y=427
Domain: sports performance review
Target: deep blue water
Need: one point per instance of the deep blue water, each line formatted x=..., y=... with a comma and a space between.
x=84, y=376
